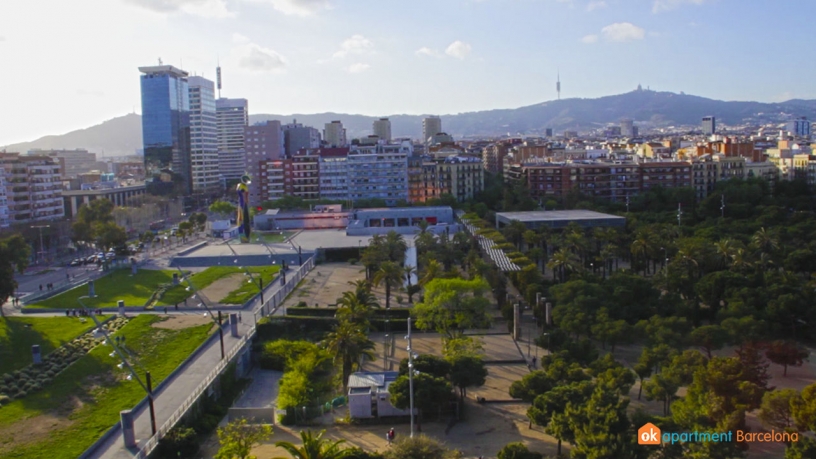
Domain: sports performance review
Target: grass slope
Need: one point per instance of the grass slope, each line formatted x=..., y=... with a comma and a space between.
x=119, y=285
x=84, y=400
x=202, y=279
x=18, y=334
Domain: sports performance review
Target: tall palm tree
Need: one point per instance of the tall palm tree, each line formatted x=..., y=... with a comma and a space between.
x=389, y=275
x=724, y=250
x=353, y=309
x=408, y=271
x=765, y=242
x=562, y=261
x=315, y=447
x=350, y=345
x=740, y=261
x=641, y=247
x=433, y=270
x=395, y=246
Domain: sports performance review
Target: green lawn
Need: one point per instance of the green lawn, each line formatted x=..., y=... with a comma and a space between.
x=18, y=334
x=119, y=285
x=202, y=279
x=273, y=237
x=84, y=400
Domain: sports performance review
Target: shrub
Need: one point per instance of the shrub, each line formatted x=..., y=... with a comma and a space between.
x=4, y=399
x=352, y=261
x=517, y=451
x=302, y=304
x=276, y=354
x=20, y=394
x=179, y=442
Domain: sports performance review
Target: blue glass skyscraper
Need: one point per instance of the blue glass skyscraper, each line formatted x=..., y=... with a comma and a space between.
x=166, y=130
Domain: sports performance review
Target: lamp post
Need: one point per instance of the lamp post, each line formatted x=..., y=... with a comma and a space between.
x=42, y=247
x=410, y=377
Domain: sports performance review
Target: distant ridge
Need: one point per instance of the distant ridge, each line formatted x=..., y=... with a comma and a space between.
x=123, y=135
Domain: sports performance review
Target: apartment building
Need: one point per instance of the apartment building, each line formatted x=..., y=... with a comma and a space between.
x=334, y=173
x=72, y=162
x=379, y=172
x=306, y=174
x=33, y=188
x=429, y=177
x=264, y=143
x=276, y=179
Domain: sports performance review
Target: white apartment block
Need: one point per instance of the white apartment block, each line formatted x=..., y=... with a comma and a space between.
x=379, y=172
x=334, y=134
x=33, y=188
x=203, y=135
x=382, y=129
x=232, y=118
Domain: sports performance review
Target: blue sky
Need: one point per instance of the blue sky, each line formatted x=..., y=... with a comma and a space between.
x=71, y=64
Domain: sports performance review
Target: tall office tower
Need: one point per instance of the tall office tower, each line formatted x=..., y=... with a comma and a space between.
x=232, y=117
x=298, y=137
x=627, y=128
x=203, y=136
x=264, y=143
x=166, y=129
x=799, y=127
x=709, y=125
x=382, y=129
x=430, y=127
x=334, y=134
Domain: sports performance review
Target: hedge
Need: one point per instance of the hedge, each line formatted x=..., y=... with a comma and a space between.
x=313, y=328
x=394, y=313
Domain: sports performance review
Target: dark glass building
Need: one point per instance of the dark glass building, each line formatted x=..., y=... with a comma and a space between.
x=166, y=130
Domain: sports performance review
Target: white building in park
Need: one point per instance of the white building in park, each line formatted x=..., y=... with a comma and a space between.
x=368, y=395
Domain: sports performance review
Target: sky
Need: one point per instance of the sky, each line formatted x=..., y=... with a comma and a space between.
x=67, y=65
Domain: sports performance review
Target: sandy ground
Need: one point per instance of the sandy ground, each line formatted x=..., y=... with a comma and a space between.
x=177, y=322
x=219, y=289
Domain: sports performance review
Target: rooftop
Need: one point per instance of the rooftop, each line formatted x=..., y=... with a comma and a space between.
x=554, y=215
x=163, y=69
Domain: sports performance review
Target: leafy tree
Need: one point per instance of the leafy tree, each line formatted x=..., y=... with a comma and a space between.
x=350, y=346
x=467, y=371
x=744, y=331
x=538, y=382
x=433, y=270
x=786, y=353
x=430, y=392
x=451, y=306
x=610, y=331
x=315, y=447
x=420, y=447
x=238, y=437
x=222, y=209
x=804, y=410
x=548, y=409
x=517, y=451
x=462, y=346
x=601, y=426
x=429, y=364
x=671, y=331
x=777, y=408
x=14, y=255
x=710, y=338
x=805, y=448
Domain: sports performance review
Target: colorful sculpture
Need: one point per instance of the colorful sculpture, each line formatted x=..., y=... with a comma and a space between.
x=243, y=207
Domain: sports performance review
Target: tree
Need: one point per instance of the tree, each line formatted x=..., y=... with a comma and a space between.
x=109, y=235
x=238, y=437
x=420, y=447
x=462, y=346
x=429, y=364
x=222, y=209
x=600, y=426
x=430, y=392
x=395, y=246
x=786, y=353
x=517, y=451
x=408, y=271
x=610, y=331
x=804, y=410
x=777, y=408
x=14, y=254
x=350, y=346
x=433, y=270
x=710, y=338
x=557, y=373
x=451, y=306
x=315, y=447
x=549, y=406
x=467, y=371
x=390, y=275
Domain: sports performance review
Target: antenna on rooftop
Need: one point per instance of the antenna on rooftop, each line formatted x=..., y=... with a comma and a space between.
x=558, y=84
x=218, y=78
x=160, y=61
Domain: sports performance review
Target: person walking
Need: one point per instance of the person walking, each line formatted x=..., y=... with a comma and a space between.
x=390, y=436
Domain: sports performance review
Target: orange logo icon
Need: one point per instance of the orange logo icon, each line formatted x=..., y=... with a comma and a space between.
x=649, y=434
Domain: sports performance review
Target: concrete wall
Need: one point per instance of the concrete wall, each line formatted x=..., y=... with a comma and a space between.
x=243, y=260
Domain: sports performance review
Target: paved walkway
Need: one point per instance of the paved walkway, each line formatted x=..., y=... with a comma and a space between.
x=173, y=395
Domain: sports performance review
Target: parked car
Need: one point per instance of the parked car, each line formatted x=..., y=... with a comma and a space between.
x=76, y=262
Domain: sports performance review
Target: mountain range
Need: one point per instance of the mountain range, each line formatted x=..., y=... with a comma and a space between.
x=649, y=109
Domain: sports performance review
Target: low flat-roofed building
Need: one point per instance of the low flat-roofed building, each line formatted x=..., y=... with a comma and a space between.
x=558, y=219
x=404, y=220
x=120, y=196
x=368, y=395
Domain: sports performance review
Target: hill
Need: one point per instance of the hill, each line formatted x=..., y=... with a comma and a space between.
x=122, y=135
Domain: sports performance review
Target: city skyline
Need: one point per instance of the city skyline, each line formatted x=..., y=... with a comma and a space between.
x=441, y=59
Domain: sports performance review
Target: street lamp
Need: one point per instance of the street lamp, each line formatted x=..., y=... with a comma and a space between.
x=410, y=377
x=42, y=247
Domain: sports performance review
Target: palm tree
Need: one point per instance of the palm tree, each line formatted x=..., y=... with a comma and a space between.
x=395, y=247
x=640, y=249
x=353, y=309
x=349, y=344
x=740, y=260
x=562, y=261
x=724, y=248
x=390, y=275
x=433, y=270
x=315, y=447
x=765, y=242
x=409, y=271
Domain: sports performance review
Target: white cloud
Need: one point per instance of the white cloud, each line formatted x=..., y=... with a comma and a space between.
x=90, y=92
x=356, y=44
x=596, y=5
x=203, y=8
x=589, y=39
x=622, y=32
x=425, y=51
x=666, y=5
x=357, y=68
x=256, y=58
x=458, y=49
x=299, y=7
x=2, y=38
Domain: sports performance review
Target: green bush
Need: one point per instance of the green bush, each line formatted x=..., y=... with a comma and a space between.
x=4, y=399
x=517, y=451
x=275, y=354
x=180, y=441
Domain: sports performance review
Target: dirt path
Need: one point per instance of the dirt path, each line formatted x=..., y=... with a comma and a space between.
x=178, y=322
x=223, y=287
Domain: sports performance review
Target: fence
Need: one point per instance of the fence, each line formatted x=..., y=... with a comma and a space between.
x=279, y=297
x=269, y=308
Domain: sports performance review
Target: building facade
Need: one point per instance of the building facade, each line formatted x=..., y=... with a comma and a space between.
x=382, y=129
x=334, y=134
x=379, y=172
x=306, y=174
x=276, y=179
x=232, y=116
x=203, y=136
x=166, y=129
x=430, y=127
x=799, y=127
x=121, y=196
x=709, y=125
x=33, y=188
x=334, y=174
x=264, y=143
x=298, y=137
x=72, y=162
